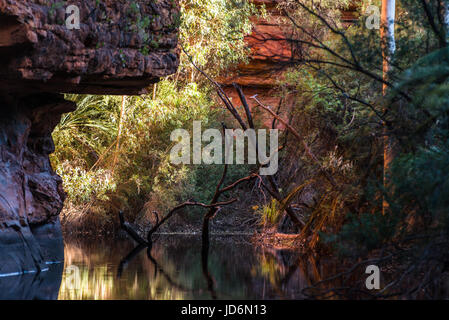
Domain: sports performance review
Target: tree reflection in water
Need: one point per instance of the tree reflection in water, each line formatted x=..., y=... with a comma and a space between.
x=176, y=268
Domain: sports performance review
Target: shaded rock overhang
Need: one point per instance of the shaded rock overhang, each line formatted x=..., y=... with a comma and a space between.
x=121, y=47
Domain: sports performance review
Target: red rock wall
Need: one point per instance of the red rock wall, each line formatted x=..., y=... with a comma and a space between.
x=270, y=53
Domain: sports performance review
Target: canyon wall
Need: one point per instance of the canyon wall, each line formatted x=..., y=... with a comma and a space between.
x=271, y=54
x=121, y=47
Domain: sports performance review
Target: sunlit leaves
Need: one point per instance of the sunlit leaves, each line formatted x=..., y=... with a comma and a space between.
x=213, y=31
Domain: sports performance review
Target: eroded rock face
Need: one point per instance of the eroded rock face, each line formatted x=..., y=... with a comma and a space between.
x=31, y=194
x=120, y=48
x=269, y=59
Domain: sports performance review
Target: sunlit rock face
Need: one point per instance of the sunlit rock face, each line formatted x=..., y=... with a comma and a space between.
x=120, y=48
x=268, y=61
x=270, y=58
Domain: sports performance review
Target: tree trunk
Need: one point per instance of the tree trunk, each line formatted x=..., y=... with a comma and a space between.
x=388, y=49
x=445, y=13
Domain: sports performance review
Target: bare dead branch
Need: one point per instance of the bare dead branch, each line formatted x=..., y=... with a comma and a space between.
x=223, y=96
x=213, y=206
x=245, y=105
x=298, y=136
x=130, y=230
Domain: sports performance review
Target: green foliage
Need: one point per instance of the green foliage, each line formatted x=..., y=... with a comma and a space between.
x=86, y=186
x=140, y=24
x=140, y=170
x=362, y=233
x=421, y=181
x=418, y=205
x=54, y=6
x=270, y=214
x=84, y=134
x=213, y=31
x=340, y=112
x=112, y=172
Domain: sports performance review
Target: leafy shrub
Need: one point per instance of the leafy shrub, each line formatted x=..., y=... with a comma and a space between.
x=85, y=186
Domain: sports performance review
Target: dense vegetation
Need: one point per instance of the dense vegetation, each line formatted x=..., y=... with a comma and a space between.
x=112, y=152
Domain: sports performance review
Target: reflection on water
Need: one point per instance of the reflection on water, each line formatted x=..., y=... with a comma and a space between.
x=173, y=270
x=32, y=286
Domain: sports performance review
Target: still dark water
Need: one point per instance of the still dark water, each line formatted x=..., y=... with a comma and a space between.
x=174, y=270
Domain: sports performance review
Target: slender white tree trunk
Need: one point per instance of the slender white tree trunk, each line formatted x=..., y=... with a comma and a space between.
x=446, y=19
x=387, y=36
x=388, y=48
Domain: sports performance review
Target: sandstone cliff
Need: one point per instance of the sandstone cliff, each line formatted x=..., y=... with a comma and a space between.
x=271, y=52
x=120, y=48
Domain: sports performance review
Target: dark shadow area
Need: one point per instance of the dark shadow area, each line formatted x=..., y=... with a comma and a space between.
x=33, y=286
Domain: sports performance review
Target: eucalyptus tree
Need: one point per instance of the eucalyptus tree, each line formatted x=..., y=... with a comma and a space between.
x=388, y=44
